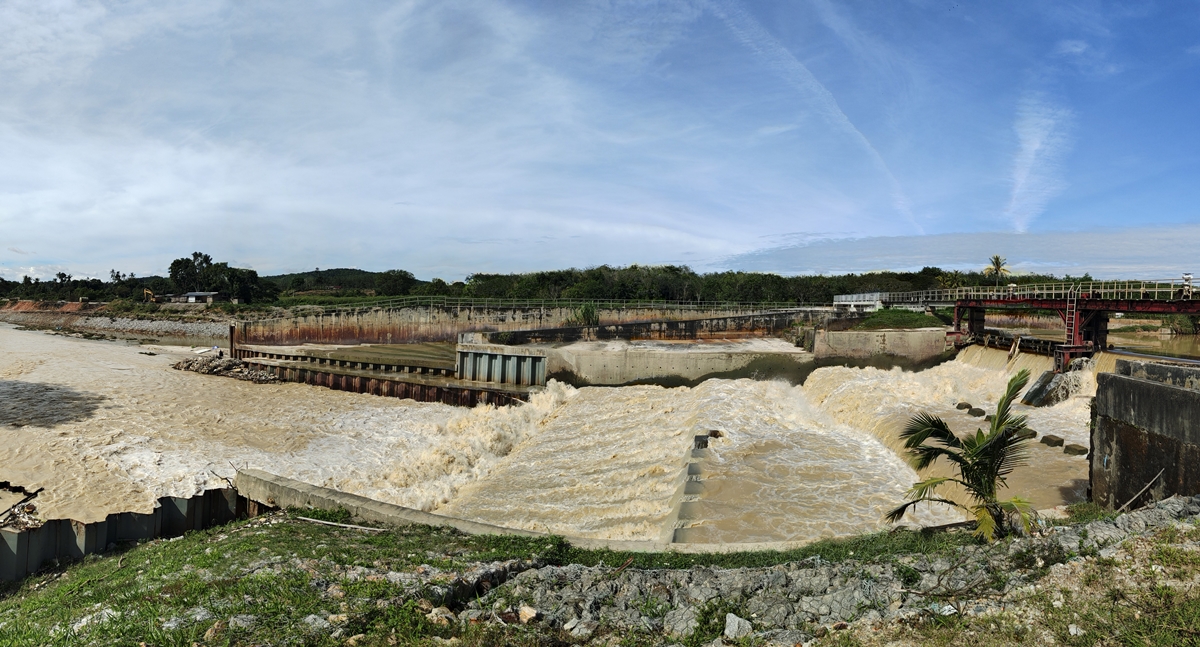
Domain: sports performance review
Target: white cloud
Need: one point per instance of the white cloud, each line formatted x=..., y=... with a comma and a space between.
x=1071, y=47
x=1135, y=253
x=1042, y=130
x=790, y=69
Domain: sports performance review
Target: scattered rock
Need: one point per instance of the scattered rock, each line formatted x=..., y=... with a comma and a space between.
x=1074, y=630
x=977, y=412
x=315, y=621
x=100, y=617
x=440, y=616
x=199, y=614
x=214, y=631
x=338, y=618
x=226, y=366
x=1072, y=449
x=963, y=406
x=838, y=626
x=1052, y=440
x=736, y=627
x=527, y=614
x=243, y=622
x=681, y=622
x=584, y=628
x=355, y=639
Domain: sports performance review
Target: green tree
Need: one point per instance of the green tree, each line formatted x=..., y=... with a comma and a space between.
x=394, y=283
x=982, y=460
x=997, y=267
x=951, y=280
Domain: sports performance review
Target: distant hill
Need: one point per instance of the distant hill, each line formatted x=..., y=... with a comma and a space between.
x=344, y=278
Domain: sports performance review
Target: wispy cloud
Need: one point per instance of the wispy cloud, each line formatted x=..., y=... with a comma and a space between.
x=1042, y=130
x=19, y=251
x=752, y=34
x=1127, y=253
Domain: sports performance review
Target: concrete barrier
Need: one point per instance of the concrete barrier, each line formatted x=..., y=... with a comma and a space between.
x=1145, y=438
x=274, y=490
x=917, y=345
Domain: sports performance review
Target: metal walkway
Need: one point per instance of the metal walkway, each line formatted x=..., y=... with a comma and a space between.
x=1084, y=306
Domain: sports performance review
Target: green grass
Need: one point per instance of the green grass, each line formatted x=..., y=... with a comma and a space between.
x=892, y=318
x=1087, y=512
x=268, y=567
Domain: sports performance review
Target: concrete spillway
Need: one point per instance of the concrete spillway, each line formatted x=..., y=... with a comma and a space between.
x=108, y=428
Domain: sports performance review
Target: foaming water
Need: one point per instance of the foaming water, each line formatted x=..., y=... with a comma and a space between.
x=793, y=463
x=610, y=463
x=152, y=431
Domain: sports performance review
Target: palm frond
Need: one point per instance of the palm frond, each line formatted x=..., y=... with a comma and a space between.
x=923, y=489
x=924, y=426
x=1023, y=508
x=985, y=522
x=1004, y=407
x=898, y=513
x=923, y=456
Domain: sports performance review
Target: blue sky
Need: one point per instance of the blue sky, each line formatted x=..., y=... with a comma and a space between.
x=446, y=137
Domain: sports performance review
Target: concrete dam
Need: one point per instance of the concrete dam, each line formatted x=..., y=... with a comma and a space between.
x=108, y=428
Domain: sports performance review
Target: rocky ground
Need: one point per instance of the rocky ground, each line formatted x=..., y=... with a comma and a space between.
x=280, y=580
x=225, y=366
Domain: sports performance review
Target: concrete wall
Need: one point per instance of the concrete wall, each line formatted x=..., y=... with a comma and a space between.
x=614, y=364
x=1145, y=419
x=441, y=323
x=918, y=345
x=759, y=324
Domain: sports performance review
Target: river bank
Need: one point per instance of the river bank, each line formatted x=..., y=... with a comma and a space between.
x=279, y=579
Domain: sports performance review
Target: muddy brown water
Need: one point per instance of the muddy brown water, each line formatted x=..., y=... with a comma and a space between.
x=106, y=428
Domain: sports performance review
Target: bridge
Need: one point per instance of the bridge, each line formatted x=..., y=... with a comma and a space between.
x=1084, y=306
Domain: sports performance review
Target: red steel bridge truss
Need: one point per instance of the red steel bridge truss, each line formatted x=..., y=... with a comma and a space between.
x=1084, y=306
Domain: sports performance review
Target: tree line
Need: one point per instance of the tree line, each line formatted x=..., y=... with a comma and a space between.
x=200, y=273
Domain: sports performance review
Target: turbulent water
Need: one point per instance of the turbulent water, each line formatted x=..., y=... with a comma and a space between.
x=106, y=428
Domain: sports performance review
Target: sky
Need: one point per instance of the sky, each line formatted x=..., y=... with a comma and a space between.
x=449, y=137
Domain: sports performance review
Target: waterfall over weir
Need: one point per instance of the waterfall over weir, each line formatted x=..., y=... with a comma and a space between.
x=790, y=463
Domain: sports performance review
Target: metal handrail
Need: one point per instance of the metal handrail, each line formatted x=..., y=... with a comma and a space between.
x=1156, y=290
x=468, y=302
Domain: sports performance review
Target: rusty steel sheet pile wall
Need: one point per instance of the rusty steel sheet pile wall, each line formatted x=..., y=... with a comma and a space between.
x=25, y=552
x=442, y=322
x=1145, y=434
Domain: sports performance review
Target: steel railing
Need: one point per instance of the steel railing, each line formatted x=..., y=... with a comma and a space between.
x=1158, y=290
x=572, y=304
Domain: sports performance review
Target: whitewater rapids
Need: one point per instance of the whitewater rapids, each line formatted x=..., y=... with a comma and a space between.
x=105, y=428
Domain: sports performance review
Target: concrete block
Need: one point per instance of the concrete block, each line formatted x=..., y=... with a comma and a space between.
x=1072, y=449
x=14, y=555
x=694, y=469
x=1052, y=440
x=1159, y=408
x=976, y=412
x=694, y=488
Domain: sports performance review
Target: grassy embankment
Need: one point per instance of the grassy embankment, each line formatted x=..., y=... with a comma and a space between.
x=256, y=582
x=277, y=569
x=903, y=319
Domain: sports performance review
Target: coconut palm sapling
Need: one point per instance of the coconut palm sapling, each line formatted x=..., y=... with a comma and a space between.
x=982, y=460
